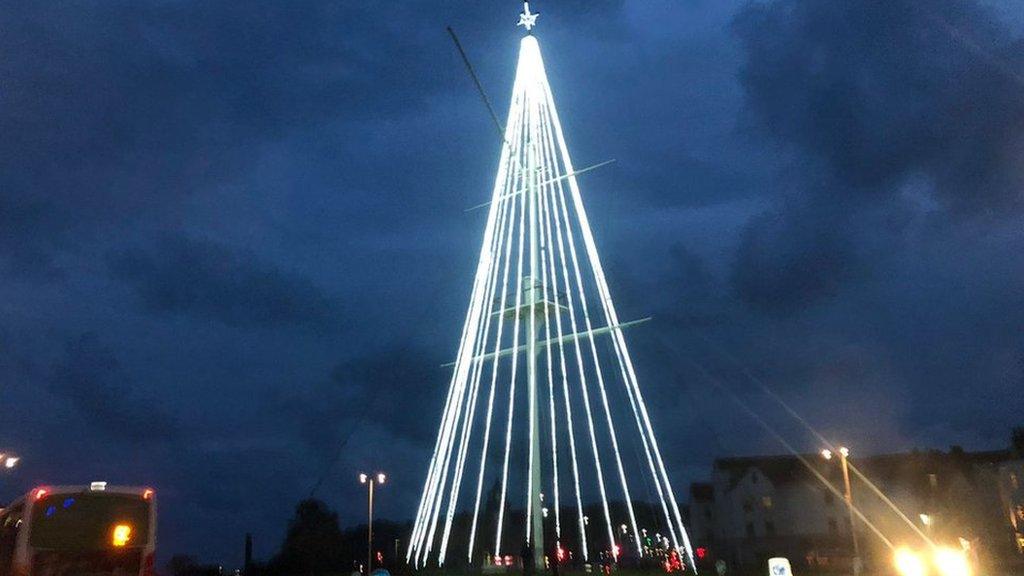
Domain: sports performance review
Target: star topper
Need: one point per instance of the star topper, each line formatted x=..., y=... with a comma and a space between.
x=526, y=19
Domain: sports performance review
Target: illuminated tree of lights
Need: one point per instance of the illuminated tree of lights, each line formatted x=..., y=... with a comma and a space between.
x=538, y=310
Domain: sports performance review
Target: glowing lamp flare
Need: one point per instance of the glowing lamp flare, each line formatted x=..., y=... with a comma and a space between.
x=120, y=535
x=908, y=563
x=952, y=562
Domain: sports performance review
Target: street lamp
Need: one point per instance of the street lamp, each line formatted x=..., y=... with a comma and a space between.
x=378, y=478
x=928, y=521
x=9, y=460
x=844, y=453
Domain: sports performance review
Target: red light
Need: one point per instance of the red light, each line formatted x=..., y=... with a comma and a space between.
x=672, y=562
x=40, y=492
x=560, y=553
x=147, y=493
x=701, y=552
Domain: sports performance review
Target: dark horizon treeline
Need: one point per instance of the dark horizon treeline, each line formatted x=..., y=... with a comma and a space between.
x=316, y=545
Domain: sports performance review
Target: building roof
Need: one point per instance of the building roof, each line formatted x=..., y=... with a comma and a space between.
x=907, y=468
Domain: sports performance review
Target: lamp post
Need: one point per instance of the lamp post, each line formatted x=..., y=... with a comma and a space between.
x=844, y=453
x=370, y=481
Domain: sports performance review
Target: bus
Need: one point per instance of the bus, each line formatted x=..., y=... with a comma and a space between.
x=79, y=531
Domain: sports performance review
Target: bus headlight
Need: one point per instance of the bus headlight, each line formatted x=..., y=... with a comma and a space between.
x=908, y=563
x=120, y=536
x=951, y=562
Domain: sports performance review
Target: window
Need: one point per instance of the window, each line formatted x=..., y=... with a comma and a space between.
x=766, y=501
x=833, y=527
x=750, y=529
x=933, y=480
x=769, y=528
x=1013, y=481
x=10, y=525
x=753, y=477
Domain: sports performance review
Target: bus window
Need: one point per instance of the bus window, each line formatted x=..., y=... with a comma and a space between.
x=10, y=525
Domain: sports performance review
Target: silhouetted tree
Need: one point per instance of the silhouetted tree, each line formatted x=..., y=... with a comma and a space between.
x=313, y=544
x=183, y=565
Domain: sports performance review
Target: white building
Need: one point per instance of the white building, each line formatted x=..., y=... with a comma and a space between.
x=757, y=507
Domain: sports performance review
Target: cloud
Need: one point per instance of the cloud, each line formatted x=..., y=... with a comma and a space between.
x=208, y=281
x=118, y=114
x=790, y=258
x=399, y=388
x=91, y=379
x=868, y=97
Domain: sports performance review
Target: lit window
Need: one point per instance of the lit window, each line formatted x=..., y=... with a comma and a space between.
x=766, y=501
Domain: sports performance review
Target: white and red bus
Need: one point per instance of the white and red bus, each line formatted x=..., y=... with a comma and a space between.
x=79, y=530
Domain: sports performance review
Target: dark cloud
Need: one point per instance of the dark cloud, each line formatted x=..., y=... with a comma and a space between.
x=211, y=282
x=91, y=379
x=116, y=114
x=792, y=257
x=380, y=387
x=872, y=98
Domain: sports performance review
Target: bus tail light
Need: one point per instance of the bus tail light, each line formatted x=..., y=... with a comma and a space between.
x=40, y=492
x=120, y=536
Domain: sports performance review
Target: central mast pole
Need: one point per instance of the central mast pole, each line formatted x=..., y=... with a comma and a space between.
x=536, y=534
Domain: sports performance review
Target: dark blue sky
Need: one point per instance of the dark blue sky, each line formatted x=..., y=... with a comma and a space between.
x=229, y=232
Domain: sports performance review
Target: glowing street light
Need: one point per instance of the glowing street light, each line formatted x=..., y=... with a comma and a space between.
x=378, y=478
x=9, y=461
x=951, y=562
x=908, y=563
